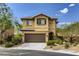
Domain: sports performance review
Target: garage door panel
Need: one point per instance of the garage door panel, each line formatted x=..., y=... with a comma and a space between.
x=35, y=37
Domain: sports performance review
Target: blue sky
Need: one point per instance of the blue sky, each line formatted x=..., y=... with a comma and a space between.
x=65, y=12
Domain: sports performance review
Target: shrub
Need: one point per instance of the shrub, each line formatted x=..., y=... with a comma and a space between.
x=75, y=43
x=18, y=36
x=9, y=44
x=58, y=41
x=9, y=38
x=71, y=40
x=1, y=41
x=67, y=45
x=53, y=42
x=17, y=39
x=50, y=42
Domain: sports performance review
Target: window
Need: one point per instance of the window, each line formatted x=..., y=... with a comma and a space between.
x=29, y=22
x=41, y=21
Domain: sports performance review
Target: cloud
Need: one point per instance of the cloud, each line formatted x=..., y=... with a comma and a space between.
x=71, y=5
x=65, y=10
x=63, y=23
x=56, y=14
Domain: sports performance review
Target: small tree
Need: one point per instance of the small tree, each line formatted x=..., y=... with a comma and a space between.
x=70, y=31
x=7, y=21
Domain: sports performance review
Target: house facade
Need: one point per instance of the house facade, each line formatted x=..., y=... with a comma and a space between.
x=37, y=28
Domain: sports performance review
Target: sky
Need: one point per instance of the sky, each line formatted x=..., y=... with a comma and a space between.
x=64, y=12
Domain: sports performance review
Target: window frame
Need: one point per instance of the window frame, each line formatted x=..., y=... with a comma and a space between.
x=38, y=20
x=27, y=22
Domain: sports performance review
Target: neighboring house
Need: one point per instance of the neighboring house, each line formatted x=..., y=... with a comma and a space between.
x=37, y=28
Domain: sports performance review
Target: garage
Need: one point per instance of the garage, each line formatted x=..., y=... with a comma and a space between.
x=32, y=38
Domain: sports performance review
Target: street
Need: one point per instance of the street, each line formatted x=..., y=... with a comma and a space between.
x=18, y=52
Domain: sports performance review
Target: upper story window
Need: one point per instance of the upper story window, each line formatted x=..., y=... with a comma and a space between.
x=29, y=22
x=41, y=21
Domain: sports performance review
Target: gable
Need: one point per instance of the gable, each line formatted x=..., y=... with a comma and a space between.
x=39, y=15
x=42, y=15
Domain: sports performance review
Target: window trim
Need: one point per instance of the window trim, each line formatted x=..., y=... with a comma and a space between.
x=28, y=23
x=40, y=19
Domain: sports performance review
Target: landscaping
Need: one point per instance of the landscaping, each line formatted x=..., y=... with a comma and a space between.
x=12, y=41
x=15, y=40
x=67, y=38
x=8, y=27
x=62, y=45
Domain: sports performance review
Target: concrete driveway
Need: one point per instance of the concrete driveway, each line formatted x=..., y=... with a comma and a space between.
x=34, y=46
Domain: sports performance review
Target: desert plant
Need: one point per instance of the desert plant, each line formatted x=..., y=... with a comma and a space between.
x=58, y=41
x=1, y=41
x=50, y=42
x=67, y=45
x=9, y=44
x=9, y=38
x=17, y=39
x=75, y=43
x=54, y=42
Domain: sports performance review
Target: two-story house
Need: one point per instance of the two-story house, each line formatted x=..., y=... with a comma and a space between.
x=37, y=28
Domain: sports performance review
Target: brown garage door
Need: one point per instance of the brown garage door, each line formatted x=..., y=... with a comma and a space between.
x=34, y=38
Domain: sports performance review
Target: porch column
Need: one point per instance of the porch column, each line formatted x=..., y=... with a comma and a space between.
x=46, y=37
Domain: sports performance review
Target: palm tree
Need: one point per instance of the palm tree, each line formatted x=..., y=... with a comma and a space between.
x=5, y=21
x=8, y=22
x=17, y=26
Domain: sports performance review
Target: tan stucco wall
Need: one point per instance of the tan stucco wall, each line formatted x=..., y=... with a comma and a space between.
x=49, y=27
x=52, y=26
x=25, y=26
x=41, y=27
x=35, y=26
